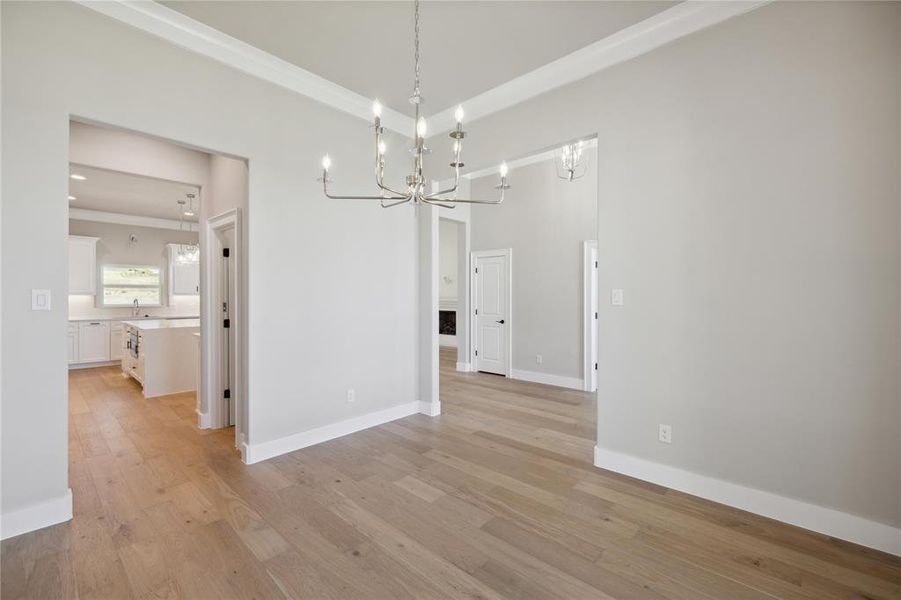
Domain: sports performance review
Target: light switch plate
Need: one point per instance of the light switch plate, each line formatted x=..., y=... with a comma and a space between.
x=616, y=297
x=40, y=299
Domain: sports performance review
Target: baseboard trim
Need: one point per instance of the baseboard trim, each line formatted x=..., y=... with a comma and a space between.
x=823, y=520
x=203, y=420
x=94, y=365
x=255, y=453
x=432, y=409
x=464, y=367
x=574, y=383
x=37, y=516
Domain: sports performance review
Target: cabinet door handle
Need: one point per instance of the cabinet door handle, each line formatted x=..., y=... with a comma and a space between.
x=95, y=323
x=501, y=321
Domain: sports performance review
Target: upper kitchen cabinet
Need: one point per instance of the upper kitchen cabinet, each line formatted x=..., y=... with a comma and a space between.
x=184, y=270
x=82, y=264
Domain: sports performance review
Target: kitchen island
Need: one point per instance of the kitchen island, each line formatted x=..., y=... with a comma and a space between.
x=160, y=354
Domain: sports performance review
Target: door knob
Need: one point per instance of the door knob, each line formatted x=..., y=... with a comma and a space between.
x=501, y=321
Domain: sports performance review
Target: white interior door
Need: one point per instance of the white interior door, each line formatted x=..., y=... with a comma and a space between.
x=492, y=288
x=594, y=321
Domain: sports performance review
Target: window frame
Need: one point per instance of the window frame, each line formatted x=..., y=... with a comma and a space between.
x=159, y=286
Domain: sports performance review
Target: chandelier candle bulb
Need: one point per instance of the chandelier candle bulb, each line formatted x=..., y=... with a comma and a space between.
x=326, y=162
x=503, y=169
x=377, y=109
x=458, y=114
x=421, y=127
x=382, y=148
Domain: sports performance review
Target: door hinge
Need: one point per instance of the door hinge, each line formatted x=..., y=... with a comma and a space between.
x=595, y=366
x=227, y=393
x=225, y=252
x=227, y=323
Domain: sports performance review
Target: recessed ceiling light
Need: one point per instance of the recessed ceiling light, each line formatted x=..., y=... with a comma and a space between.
x=189, y=213
x=78, y=177
x=72, y=198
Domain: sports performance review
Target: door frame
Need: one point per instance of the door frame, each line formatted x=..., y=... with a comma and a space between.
x=217, y=410
x=589, y=320
x=474, y=256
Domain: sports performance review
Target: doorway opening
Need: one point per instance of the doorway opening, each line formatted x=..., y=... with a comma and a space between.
x=226, y=391
x=533, y=338
x=141, y=291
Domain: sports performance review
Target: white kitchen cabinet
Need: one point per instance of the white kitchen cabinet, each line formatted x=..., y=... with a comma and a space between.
x=73, y=343
x=93, y=341
x=82, y=264
x=115, y=340
x=184, y=278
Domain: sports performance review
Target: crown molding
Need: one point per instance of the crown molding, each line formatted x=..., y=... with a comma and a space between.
x=193, y=35
x=664, y=27
x=100, y=216
x=676, y=22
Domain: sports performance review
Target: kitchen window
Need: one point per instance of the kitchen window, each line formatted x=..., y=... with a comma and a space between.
x=123, y=284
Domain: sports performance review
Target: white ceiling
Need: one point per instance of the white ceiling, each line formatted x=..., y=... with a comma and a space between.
x=128, y=194
x=467, y=47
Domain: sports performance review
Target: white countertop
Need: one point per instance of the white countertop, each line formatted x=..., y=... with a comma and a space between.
x=157, y=324
x=125, y=318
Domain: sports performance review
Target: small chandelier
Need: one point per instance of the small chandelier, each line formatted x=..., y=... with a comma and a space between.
x=415, y=191
x=186, y=253
x=570, y=165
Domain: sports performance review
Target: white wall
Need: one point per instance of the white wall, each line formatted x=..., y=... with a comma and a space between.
x=150, y=249
x=331, y=284
x=748, y=181
x=545, y=220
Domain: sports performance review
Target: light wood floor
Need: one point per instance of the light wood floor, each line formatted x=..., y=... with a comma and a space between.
x=497, y=498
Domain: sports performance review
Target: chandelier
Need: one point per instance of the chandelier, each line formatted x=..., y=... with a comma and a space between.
x=570, y=165
x=186, y=253
x=415, y=191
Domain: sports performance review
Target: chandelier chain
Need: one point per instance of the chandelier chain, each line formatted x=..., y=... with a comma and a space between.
x=416, y=48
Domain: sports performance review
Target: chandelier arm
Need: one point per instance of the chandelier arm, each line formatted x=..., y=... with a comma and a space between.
x=503, y=187
x=333, y=197
x=384, y=187
x=449, y=190
x=405, y=200
x=433, y=202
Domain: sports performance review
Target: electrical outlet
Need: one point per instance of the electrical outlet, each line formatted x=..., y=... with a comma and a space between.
x=616, y=297
x=665, y=433
x=538, y=359
x=350, y=396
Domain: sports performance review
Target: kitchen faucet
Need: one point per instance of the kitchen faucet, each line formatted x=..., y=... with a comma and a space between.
x=135, y=308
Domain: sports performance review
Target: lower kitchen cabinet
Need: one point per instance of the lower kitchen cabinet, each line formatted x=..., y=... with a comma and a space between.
x=73, y=343
x=93, y=341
